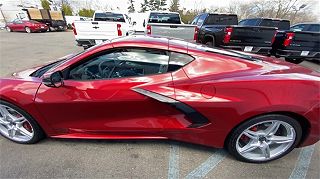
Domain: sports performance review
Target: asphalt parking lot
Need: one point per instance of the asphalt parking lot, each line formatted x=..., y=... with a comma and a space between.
x=62, y=158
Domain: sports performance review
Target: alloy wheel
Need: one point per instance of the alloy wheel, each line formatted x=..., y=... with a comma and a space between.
x=28, y=30
x=14, y=125
x=265, y=140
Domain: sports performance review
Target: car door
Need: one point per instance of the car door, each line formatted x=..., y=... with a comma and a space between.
x=99, y=94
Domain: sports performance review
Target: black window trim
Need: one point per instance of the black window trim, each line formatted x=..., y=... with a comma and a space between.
x=66, y=71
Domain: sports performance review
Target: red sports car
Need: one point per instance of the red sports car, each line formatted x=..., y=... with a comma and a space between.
x=26, y=26
x=140, y=87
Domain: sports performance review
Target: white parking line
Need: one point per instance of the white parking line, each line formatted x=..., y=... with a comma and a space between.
x=302, y=165
x=208, y=165
x=173, y=171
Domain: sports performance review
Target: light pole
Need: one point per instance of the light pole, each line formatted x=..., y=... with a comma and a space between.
x=297, y=9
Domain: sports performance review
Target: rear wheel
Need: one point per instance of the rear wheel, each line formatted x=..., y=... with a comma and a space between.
x=27, y=29
x=210, y=42
x=17, y=125
x=264, y=138
x=295, y=61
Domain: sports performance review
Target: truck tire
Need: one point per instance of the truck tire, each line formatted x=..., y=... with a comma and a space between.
x=211, y=42
x=293, y=60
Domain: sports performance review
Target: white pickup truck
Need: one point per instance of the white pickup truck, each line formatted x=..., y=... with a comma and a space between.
x=105, y=26
x=168, y=24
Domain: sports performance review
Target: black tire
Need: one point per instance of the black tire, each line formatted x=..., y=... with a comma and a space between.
x=38, y=132
x=232, y=139
x=211, y=42
x=295, y=61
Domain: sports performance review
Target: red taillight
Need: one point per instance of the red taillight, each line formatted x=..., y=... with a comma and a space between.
x=227, y=35
x=74, y=29
x=288, y=40
x=274, y=37
x=149, y=29
x=196, y=32
x=119, y=29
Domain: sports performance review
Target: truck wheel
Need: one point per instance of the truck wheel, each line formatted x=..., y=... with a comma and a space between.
x=211, y=42
x=295, y=61
x=27, y=29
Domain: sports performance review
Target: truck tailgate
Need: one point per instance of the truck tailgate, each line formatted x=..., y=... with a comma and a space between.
x=95, y=30
x=180, y=31
x=305, y=40
x=252, y=36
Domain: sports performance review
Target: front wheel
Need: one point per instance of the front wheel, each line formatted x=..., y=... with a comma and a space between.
x=264, y=138
x=17, y=125
x=27, y=29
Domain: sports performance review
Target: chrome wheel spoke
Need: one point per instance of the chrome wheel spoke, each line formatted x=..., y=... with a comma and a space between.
x=251, y=134
x=281, y=139
x=249, y=147
x=24, y=132
x=11, y=132
x=265, y=149
x=273, y=128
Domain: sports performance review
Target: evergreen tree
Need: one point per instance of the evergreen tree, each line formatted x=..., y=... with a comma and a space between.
x=45, y=4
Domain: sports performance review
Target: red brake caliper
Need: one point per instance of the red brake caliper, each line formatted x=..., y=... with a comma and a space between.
x=245, y=138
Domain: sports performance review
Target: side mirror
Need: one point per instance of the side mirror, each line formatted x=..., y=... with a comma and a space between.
x=144, y=23
x=54, y=80
x=134, y=23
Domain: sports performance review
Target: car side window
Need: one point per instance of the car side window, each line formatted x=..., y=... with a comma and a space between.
x=299, y=27
x=201, y=19
x=178, y=60
x=133, y=62
x=314, y=28
x=195, y=20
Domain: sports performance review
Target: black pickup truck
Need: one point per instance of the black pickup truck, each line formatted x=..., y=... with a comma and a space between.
x=222, y=30
x=301, y=42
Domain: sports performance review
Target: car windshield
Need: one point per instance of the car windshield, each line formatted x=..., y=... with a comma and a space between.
x=114, y=17
x=169, y=18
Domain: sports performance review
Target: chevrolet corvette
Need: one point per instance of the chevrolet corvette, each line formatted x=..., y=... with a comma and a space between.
x=139, y=87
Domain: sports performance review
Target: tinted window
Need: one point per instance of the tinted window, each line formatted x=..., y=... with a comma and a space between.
x=314, y=28
x=170, y=18
x=178, y=60
x=201, y=19
x=299, y=27
x=195, y=20
x=122, y=63
x=280, y=24
x=217, y=19
x=109, y=17
x=249, y=22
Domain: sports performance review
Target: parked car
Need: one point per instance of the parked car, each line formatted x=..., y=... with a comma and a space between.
x=141, y=87
x=301, y=42
x=71, y=19
x=26, y=26
x=168, y=24
x=281, y=24
x=105, y=26
x=222, y=30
